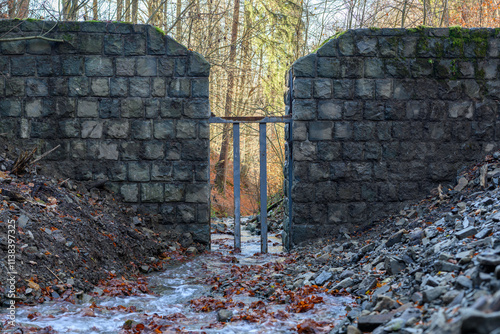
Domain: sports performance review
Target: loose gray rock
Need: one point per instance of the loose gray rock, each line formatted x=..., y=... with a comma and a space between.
x=463, y=282
x=346, y=273
x=449, y=296
x=466, y=232
x=224, y=315
x=394, y=265
x=367, y=284
x=22, y=221
x=344, y=284
x=385, y=303
x=491, y=260
x=484, y=233
x=446, y=266
x=368, y=323
x=395, y=238
x=431, y=294
x=479, y=322
x=353, y=330
x=323, y=277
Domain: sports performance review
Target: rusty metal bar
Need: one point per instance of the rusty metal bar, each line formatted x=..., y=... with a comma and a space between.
x=237, y=186
x=257, y=119
x=288, y=246
x=263, y=188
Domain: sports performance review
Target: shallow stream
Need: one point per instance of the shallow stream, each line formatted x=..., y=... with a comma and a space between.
x=175, y=288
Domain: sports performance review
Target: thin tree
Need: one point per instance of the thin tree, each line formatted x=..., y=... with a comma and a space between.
x=135, y=7
x=221, y=166
x=178, y=28
x=119, y=10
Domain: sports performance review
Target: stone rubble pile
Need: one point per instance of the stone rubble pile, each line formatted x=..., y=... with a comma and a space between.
x=435, y=268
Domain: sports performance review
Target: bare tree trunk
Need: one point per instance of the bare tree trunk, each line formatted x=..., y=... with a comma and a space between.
x=95, y=11
x=18, y=8
x=127, y=10
x=221, y=165
x=481, y=13
x=165, y=15
x=425, y=12
x=445, y=17
x=362, y=22
x=11, y=5
x=74, y=10
x=403, y=16
x=119, y=10
x=23, y=9
x=135, y=5
x=178, y=28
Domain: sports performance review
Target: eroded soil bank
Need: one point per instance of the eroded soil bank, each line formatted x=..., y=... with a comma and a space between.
x=70, y=236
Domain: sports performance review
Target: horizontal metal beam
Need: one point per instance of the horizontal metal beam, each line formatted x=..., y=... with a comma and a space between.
x=256, y=119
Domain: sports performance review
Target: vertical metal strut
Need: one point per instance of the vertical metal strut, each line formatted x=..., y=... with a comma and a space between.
x=263, y=188
x=237, y=186
x=290, y=166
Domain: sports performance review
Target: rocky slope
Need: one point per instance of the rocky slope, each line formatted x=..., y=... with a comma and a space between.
x=434, y=268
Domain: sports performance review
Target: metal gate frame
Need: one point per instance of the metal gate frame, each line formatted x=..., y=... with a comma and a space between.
x=263, y=174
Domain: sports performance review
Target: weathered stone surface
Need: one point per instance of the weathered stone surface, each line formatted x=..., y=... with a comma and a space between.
x=197, y=193
x=305, y=66
x=108, y=151
x=320, y=130
x=98, y=66
x=139, y=171
x=130, y=192
x=92, y=129
x=179, y=87
x=152, y=192
x=198, y=66
x=139, y=87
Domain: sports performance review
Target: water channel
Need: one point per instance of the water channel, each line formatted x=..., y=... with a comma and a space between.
x=174, y=289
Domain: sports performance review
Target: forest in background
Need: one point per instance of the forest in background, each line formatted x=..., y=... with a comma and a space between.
x=250, y=44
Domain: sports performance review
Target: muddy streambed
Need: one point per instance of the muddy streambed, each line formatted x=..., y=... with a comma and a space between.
x=176, y=287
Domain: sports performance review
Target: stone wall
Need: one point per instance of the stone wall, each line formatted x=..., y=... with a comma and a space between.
x=382, y=116
x=125, y=102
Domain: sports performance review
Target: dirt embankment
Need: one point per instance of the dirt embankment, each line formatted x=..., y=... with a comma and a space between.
x=69, y=236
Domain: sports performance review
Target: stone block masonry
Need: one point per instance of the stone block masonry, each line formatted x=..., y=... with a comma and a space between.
x=126, y=104
x=382, y=116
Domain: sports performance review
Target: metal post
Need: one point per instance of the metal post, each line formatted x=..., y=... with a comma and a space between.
x=290, y=166
x=236, y=180
x=263, y=188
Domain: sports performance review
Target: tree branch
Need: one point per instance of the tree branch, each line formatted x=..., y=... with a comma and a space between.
x=31, y=37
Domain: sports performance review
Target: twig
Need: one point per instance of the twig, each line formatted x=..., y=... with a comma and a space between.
x=14, y=39
x=63, y=182
x=60, y=280
x=3, y=134
x=22, y=161
x=45, y=154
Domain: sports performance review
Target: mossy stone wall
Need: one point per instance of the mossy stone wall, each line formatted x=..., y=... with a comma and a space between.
x=126, y=103
x=382, y=116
